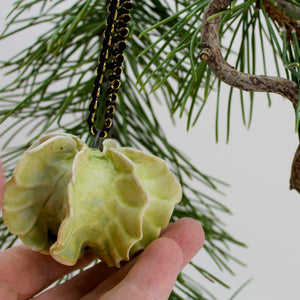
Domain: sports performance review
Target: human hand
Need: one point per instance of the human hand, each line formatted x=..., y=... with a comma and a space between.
x=152, y=275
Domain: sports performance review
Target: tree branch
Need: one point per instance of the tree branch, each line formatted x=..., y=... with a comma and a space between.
x=211, y=53
x=295, y=171
x=293, y=9
x=285, y=15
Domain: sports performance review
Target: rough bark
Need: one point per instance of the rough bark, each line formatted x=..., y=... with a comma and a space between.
x=211, y=53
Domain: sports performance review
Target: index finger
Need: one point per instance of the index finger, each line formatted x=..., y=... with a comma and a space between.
x=155, y=271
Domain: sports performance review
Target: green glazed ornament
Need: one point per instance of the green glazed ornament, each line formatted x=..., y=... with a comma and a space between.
x=65, y=198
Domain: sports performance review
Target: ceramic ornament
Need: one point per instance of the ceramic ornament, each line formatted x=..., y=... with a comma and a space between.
x=65, y=198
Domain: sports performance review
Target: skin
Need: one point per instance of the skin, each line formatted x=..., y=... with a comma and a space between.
x=151, y=275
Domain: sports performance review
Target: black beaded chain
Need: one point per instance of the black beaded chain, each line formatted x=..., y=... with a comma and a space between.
x=107, y=82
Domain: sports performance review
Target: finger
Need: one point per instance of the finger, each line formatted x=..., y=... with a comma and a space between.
x=26, y=272
x=154, y=274
x=155, y=277
x=86, y=281
x=156, y=269
x=188, y=234
x=1, y=184
x=185, y=232
x=79, y=285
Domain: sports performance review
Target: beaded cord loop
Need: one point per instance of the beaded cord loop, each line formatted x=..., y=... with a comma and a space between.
x=109, y=70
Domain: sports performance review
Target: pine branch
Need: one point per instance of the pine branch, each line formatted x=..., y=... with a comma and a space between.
x=244, y=21
x=211, y=53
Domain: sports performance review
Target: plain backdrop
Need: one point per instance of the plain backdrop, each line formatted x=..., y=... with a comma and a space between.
x=256, y=163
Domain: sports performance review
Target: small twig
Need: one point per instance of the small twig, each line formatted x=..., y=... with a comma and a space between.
x=295, y=172
x=293, y=9
x=211, y=53
x=285, y=15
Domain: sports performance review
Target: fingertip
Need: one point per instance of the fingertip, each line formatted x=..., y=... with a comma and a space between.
x=195, y=229
x=164, y=254
x=168, y=250
x=188, y=234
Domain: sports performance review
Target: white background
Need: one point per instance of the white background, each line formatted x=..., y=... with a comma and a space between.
x=256, y=163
